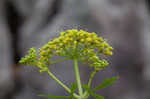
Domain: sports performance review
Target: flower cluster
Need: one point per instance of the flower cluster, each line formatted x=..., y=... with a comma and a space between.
x=72, y=44
x=80, y=44
x=30, y=59
x=97, y=63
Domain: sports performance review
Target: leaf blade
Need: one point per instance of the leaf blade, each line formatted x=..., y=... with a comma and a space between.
x=96, y=96
x=73, y=88
x=52, y=96
x=107, y=82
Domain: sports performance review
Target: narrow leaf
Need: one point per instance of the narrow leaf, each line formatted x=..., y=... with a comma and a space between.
x=96, y=96
x=73, y=88
x=87, y=89
x=52, y=96
x=107, y=82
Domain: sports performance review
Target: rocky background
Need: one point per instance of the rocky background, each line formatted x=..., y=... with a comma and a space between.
x=31, y=23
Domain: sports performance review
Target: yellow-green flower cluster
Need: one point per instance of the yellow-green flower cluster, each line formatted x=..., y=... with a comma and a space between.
x=76, y=44
x=97, y=63
x=84, y=46
x=30, y=59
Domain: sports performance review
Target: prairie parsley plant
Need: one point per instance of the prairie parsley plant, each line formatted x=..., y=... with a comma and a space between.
x=77, y=46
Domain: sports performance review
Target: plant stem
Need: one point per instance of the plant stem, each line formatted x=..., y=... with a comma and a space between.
x=63, y=85
x=61, y=60
x=91, y=78
x=78, y=77
x=89, y=83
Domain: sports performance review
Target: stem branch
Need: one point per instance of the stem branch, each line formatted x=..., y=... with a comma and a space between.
x=91, y=78
x=63, y=85
x=78, y=77
x=89, y=83
x=61, y=60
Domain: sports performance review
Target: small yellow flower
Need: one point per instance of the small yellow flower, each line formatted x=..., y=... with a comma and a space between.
x=58, y=51
x=40, y=64
x=89, y=39
x=105, y=44
x=49, y=51
x=82, y=40
x=75, y=43
x=110, y=48
x=82, y=34
x=61, y=44
x=100, y=39
x=108, y=52
x=65, y=41
x=56, y=40
x=62, y=33
x=97, y=42
x=70, y=39
x=42, y=58
x=42, y=53
x=53, y=47
x=61, y=38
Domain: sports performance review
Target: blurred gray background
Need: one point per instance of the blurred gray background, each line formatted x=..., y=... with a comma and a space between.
x=31, y=23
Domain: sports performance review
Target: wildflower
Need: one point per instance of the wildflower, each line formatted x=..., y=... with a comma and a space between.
x=73, y=43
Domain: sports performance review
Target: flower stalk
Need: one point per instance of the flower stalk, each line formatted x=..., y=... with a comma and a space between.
x=78, y=77
x=63, y=85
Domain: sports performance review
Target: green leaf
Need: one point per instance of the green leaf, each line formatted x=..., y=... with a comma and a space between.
x=52, y=96
x=87, y=89
x=107, y=82
x=73, y=88
x=96, y=96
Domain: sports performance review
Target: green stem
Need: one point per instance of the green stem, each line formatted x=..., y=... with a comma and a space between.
x=89, y=83
x=78, y=77
x=61, y=60
x=91, y=78
x=63, y=85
